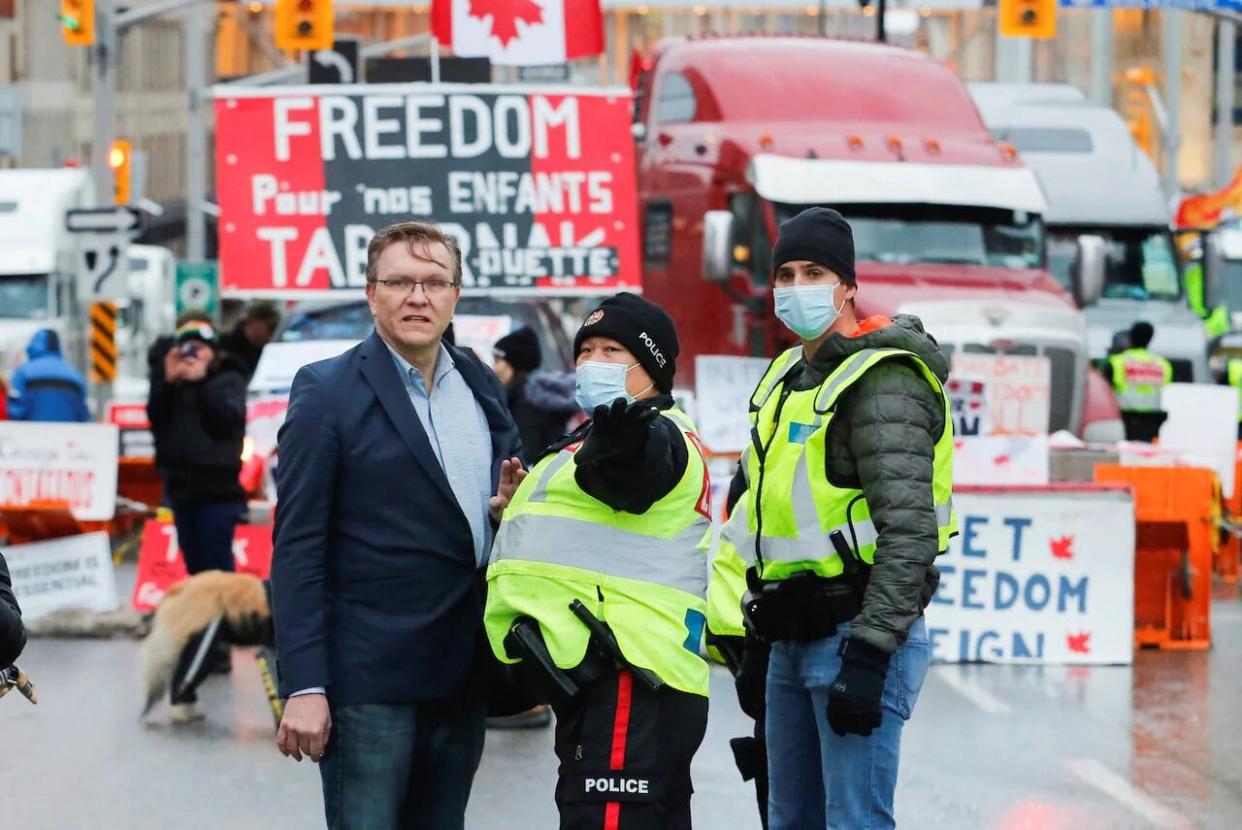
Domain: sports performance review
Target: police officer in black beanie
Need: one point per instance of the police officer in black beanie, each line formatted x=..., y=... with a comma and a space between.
x=599, y=556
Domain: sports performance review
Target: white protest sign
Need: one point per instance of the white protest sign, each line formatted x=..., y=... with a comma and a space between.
x=992, y=460
x=479, y=332
x=1018, y=389
x=70, y=572
x=723, y=386
x=75, y=463
x=1037, y=576
x=1203, y=420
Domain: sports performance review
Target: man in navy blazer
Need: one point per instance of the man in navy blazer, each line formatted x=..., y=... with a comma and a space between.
x=396, y=459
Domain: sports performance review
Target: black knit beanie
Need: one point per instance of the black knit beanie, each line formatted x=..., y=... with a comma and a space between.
x=818, y=235
x=642, y=327
x=520, y=348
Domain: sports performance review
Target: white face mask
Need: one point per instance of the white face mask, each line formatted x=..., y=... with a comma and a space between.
x=807, y=310
x=599, y=384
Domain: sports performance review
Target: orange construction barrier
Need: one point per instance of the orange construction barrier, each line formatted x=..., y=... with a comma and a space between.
x=1177, y=515
x=1230, y=551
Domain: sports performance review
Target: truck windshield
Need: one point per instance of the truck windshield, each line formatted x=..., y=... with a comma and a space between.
x=1140, y=261
x=940, y=234
x=23, y=296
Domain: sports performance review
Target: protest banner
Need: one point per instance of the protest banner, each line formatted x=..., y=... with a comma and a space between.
x=537, y=187
x=1017, y=390
x=69, y=572
x=161, y=564
x=130, y=419
x=1037, y=576
x=73, y=463
x=728, y=382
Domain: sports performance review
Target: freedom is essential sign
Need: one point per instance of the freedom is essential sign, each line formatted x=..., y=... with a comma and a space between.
x=1037, y=576
x=536, y=187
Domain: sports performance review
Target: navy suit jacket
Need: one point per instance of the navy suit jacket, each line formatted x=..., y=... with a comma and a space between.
x=376, y=594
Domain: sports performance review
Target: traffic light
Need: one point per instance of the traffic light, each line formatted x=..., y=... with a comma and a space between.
x=120, y=159
x=77, y=22
x=304, y=24
x=1029, y=18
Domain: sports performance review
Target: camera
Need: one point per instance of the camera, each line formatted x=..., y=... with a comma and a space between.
x=188, y=349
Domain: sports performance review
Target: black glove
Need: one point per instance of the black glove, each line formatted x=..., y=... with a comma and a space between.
x=854, y=697
x=619, y=429
x=752, y=678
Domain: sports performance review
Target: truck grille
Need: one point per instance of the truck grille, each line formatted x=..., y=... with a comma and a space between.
x=1068, y=370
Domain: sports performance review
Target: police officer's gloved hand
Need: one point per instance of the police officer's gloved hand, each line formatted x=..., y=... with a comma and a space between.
x=854, y=697
x=620, y=429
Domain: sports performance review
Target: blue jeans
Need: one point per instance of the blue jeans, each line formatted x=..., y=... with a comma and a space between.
x=402, y=767
x=817, y=778
x=205, y=533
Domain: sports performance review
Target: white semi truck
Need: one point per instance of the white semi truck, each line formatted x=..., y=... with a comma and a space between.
x=1100, y=184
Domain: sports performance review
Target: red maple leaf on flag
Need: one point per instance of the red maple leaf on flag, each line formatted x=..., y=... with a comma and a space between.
x=1001, y=459
x=1061, y=548
x=505, y=15
x=1079, y=643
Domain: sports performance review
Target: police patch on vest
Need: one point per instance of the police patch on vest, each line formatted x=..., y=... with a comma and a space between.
x=638, y=787
x=798, y=433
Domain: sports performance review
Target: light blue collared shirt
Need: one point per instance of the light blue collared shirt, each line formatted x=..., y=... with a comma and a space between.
x=457, y=430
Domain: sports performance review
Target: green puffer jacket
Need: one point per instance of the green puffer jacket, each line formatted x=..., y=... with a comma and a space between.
x=881, y=441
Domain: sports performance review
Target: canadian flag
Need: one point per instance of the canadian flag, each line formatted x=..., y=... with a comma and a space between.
x=520, y=32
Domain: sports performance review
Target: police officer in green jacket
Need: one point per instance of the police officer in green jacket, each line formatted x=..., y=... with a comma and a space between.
x=598, y=575
x=849, y=502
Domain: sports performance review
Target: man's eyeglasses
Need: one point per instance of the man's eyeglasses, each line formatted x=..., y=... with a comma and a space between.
x=432, y=288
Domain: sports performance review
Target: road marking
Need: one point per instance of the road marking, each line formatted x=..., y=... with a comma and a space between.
x=1092, y=772
x=976, y=694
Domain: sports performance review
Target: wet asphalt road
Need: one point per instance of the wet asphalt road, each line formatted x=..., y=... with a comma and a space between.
x=1158, y=744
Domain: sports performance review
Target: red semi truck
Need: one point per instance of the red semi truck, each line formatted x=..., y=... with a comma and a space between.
x=735, y=135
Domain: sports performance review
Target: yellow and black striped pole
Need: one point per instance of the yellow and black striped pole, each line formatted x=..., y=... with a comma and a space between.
x=103, y=342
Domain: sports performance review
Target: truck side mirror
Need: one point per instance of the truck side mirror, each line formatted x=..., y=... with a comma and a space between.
x=1213, y=272
x=1089, y=267
x=639, y=130
x=717, y=242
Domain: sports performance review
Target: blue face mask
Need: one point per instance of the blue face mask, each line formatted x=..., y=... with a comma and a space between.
x=807, y=310
x=599, y=384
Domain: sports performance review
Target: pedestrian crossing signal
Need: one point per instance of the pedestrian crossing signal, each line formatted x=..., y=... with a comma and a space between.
x=303, y=24
x=77, y=22
x=1029, y=18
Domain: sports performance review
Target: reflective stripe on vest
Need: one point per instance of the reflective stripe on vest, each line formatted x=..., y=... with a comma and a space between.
x=534, y=536
x=807, y=507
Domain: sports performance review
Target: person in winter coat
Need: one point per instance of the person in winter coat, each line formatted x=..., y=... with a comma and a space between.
x=12, y=634
x=848, y=505
x=541, y=404
x=197, y=409
x=247, y=339
x=46, y=387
